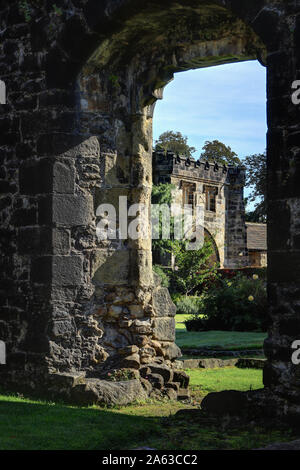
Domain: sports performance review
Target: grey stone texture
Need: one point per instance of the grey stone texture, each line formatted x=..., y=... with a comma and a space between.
x=81, y=90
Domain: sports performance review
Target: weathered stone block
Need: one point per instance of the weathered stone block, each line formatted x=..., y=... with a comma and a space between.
x=142, y=327
x=128, y=350
x=162, y=370
x=62, y=328
x=132, y=361
x=156, y=380
x=136, y=311
x=146, y=385
x=72, y=210
x=67, y=270
x=170, y=350
x=112, y=267
x=182, y=378
x=113, y=338
x=164, y=329
x=162, y=303
x=108, y=393
x=61, y=242
x=174, y=385
x=63, y=177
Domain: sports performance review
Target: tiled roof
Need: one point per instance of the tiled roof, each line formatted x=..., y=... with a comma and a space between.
x=256, y=236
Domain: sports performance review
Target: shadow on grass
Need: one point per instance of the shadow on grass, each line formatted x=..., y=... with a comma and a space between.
x=28, y=425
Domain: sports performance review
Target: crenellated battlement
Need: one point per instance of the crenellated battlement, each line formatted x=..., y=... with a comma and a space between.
x=168, y=163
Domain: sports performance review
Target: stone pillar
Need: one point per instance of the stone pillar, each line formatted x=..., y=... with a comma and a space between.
x=235, y=230
x=281, y=376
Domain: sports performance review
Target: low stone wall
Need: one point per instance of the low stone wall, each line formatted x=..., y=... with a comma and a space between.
x=208, y=352
x=212, y=363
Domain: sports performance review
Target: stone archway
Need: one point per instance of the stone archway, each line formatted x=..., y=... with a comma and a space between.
x=79, y=130
x=215, y=257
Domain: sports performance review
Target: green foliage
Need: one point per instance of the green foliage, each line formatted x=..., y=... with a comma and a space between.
x=238, y=305
x=216, y=151
x=165, y=281
x=193, y=268
x=176, y=296
x=188, y=305
x=256, y=180
x=175, y=142
x=162, y=194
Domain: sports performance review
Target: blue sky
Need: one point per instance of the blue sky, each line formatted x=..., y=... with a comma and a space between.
x=227, y=103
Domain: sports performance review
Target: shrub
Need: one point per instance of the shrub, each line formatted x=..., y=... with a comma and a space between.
x=238, y=305
x=175, y=296
x=188, y=305
x=196, y=324
x=247, y=271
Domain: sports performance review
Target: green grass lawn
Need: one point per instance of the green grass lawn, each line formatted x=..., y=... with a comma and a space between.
x=27, y=424
x=36, y=425
x=226, y=378
x=228, y=340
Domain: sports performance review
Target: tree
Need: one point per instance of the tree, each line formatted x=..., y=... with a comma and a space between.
x=175, y=142
x=256, y=180
x=193, y=268
x=216, y=151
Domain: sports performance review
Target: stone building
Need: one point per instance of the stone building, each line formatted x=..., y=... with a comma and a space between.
x=257, y=244
x=81, y=86
x=219, y=191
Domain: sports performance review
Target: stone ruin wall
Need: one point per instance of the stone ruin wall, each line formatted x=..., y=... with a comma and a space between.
x=52, y=151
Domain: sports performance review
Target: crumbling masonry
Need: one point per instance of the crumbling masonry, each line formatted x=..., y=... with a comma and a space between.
x=82, y=79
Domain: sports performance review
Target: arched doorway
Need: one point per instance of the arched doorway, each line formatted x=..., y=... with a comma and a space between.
x=98, y=80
